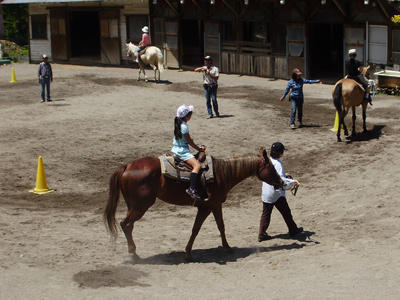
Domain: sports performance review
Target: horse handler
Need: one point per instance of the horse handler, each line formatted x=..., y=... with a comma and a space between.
x=271, y=197
x=210, y=84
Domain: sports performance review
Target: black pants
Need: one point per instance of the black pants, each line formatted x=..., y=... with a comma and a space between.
x=283, y=207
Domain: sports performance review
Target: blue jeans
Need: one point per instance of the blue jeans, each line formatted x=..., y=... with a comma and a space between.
x=210, y=92
x=45, y=84
x=297, y=104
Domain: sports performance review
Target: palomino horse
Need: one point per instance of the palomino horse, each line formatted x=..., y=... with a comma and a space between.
x=152, y=57
x=349, y=93
x=141, y=182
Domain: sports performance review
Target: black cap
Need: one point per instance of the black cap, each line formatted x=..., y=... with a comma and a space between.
x=208, y=57
x=277, y=147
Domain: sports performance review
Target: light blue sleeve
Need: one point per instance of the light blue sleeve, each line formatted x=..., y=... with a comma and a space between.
x=184, y=129
x=289, y=86
x=310, y=81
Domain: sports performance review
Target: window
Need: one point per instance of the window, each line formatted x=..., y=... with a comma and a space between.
x=227, y=32
x=39, y=27
x=255, y=32
x=396, y=40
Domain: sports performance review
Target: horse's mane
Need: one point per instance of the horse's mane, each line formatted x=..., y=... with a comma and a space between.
x=230, y=169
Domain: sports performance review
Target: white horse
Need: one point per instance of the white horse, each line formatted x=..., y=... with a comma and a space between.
x=153, y=57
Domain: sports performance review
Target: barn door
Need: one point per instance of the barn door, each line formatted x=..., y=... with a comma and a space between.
x=59, y=41
x=377, y=44
x=171, y=43
x=296, y=48
x=212, y=42
x=354, y=38
x=109, y=37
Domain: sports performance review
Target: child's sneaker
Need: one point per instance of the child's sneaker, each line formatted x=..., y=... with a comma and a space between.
x=292, y=126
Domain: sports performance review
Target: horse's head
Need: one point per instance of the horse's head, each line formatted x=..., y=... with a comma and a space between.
x=266, y=171
x=131, y=48
x=364, y=71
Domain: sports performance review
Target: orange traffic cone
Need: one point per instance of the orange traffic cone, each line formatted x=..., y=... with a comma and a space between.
x=41, y=183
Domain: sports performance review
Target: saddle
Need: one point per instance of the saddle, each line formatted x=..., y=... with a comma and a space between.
x=175, y=168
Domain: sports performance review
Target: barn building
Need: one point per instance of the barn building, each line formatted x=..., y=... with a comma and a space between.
x=270, y=37
x=84, y=31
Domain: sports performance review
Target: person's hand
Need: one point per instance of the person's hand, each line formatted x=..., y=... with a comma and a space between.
x=296, y=183
x=282, y=99
x=203, y=148
x=39, y=80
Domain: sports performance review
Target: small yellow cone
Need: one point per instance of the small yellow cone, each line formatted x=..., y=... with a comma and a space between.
x=13, y=77
x=336, y=124
x=41, y=183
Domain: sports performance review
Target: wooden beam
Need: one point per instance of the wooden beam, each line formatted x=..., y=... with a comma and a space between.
x=302, y=13
x=231, y=8
x=199, y=7
x=339, y=6
x=382, y=7
x=172, y=7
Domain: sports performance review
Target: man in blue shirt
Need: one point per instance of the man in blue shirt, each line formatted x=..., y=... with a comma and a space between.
x=45, y=75
x=296, y=96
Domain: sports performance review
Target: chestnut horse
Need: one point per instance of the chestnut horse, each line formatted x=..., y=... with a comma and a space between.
x=349, y=93
x=141, y=182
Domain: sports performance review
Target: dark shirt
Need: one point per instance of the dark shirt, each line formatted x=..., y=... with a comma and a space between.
x=352, y=66
x=45, y=71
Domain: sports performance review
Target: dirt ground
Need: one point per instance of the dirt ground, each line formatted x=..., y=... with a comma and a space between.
x=55, y=246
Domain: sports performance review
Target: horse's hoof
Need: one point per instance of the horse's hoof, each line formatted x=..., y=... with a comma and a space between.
x=135, y=258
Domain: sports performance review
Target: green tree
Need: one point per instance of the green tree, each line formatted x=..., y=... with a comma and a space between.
x=15, y=21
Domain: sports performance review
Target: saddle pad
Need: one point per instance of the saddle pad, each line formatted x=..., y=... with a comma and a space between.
x=168, y=169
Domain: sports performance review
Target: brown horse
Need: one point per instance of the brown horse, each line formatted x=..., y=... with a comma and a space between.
x=141, y=182
x=349, y=93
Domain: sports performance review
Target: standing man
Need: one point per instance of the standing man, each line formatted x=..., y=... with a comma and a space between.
x=45, y=75
x=210, y=84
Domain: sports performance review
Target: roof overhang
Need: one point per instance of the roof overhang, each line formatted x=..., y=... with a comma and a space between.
x=44, y=1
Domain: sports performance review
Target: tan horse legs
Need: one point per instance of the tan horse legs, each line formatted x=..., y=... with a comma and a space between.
x=343, y=114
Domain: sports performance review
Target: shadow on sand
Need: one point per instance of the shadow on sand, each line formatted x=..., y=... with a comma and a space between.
x=219, y=255
x=374, y=133
x=166, y=82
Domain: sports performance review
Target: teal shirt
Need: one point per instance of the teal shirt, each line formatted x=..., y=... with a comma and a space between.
x=181, y=146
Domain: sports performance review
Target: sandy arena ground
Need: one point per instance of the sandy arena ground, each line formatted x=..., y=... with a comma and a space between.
x=55, y=246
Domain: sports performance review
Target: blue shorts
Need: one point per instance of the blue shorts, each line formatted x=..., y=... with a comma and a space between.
x=183, y=153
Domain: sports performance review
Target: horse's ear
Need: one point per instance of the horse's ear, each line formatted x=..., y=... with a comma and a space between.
x=261, y=151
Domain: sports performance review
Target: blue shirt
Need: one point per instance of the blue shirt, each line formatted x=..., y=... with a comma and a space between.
x=45, y=70
x=297, y=87
x=181, y=146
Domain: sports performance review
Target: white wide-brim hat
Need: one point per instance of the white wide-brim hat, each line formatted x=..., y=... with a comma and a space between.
x=184, y=110
x=145, y=29
x=352, y=51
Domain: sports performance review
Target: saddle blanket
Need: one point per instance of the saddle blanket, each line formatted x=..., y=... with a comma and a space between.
x=169, y=169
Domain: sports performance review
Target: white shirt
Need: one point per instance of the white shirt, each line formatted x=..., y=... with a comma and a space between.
x=207, y=79
x=269, y=194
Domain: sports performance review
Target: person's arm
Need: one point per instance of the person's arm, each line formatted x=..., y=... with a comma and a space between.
x=286, y=91
x=311, y=81
x=192, y=144
x=199, y=69
x=288, y=183
x=214, y=75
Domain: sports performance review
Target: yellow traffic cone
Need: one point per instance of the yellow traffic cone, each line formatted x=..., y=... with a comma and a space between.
x=13, y=77
x=336, y=124
x=41, y=184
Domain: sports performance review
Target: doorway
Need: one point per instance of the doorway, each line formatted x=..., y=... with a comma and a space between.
x=85, y=34
x=192, y=42
x=326, y=51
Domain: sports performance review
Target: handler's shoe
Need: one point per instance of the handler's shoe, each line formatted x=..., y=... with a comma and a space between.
x=264, y=237
x=292, y=126
x=294, y=233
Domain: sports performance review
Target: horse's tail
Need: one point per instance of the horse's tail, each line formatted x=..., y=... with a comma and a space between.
x=337, y=96
x=112, y=202
x=160, y=61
